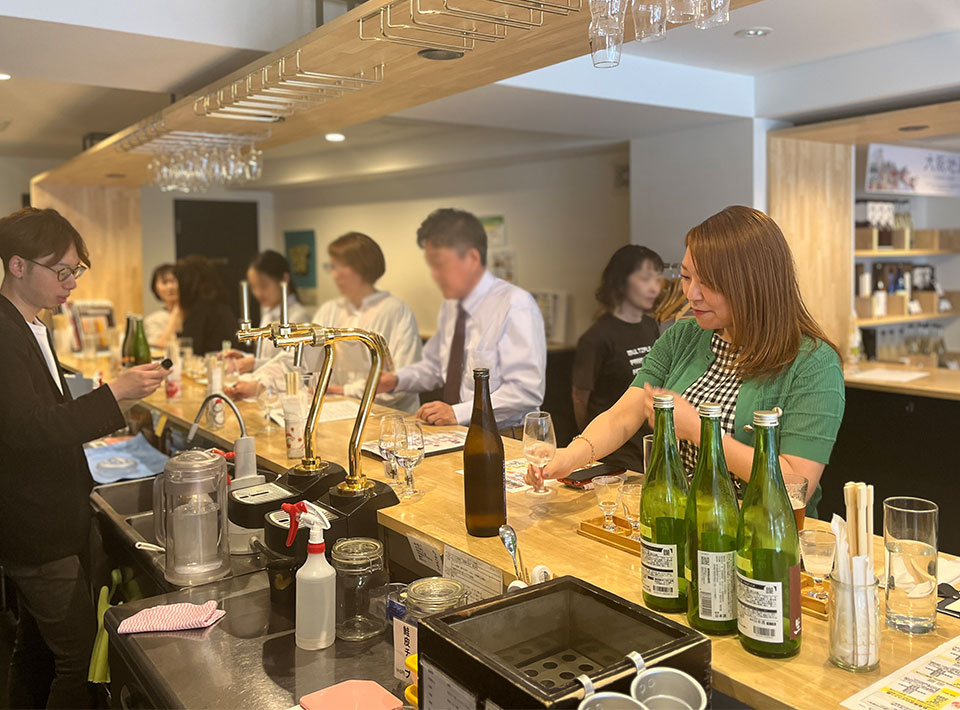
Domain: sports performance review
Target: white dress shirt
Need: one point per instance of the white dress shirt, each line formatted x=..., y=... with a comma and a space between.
x=378, y=313
x=504, y=332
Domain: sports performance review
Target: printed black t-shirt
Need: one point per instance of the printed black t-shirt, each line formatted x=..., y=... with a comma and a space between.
x=609, y=354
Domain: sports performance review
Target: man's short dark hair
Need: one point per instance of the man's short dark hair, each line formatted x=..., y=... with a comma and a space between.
x=32, y=233
x=457, y=229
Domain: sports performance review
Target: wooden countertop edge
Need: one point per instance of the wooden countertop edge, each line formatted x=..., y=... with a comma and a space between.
x=939, y=383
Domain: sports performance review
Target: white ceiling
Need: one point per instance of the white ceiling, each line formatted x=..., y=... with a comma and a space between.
x=803, y=31
x=49, y=119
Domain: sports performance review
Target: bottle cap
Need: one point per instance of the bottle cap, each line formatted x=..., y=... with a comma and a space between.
x=711, y=410
x=482, y=372
x=766, y=418
x=663, y=401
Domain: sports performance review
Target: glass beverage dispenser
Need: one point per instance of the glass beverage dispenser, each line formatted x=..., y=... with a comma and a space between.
x=190, y=517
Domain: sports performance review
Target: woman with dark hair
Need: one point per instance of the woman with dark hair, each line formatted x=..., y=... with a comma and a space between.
x=160, y=326
x=753, y=345
x=266, y=273
x=610, y=352
x=207, y=318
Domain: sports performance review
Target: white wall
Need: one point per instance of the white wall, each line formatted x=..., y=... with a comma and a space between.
x=679, y=179
x=15, y=174
x=159, y=239
x=564, y=218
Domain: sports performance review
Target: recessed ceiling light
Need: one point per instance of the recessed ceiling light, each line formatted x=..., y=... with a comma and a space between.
x=5, y=77
x=440, y=55
x=914, y=128
x=753, y=32
x=335, y=137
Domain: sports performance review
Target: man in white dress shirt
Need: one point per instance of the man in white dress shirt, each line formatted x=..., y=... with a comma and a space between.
x=484, y=322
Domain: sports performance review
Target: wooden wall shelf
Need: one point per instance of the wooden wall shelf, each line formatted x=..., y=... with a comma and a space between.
x=893, y=320
x=904, y=253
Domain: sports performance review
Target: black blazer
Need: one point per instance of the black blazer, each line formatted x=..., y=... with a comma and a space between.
x=44, y=479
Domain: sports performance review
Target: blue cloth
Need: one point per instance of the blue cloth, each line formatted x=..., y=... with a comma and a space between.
x=149, y=461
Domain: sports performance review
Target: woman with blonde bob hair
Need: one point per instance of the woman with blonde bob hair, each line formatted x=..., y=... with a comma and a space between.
x=752, y=345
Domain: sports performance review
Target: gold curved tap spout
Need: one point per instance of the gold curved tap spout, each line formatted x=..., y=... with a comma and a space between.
x=298, y=335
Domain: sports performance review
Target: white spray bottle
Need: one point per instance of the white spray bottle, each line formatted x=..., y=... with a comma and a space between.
x=316, y=580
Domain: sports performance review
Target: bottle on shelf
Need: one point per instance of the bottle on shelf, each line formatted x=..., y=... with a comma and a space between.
x=484, y=492
x=663, y=505
x=141, y=348
x=712, y=520
x=768, y=553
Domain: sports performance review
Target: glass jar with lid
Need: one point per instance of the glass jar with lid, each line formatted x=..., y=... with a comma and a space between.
x=431, y=595
x=361, y=587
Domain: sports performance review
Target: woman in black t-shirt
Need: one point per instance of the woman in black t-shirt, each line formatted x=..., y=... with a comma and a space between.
x=207, y=318
x=610, y=352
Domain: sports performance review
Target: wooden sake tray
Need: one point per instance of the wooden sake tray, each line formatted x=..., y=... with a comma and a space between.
x=593, y=528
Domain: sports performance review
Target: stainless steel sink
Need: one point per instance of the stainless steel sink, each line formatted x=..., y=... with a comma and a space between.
x=125, y=497
x=142, y=525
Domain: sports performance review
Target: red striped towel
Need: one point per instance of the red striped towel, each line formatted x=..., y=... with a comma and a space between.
x=172, y=617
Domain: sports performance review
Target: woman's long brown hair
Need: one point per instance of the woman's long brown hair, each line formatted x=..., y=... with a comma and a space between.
x=741, y=253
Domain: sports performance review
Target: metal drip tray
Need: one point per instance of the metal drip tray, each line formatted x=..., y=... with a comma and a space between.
x=527, y=649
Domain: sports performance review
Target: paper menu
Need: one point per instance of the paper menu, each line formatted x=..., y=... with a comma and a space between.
x=436, y=442
x=515, y=470
x=480, y=579
x=931, y=681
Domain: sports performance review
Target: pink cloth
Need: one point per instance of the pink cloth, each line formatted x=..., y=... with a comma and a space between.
x=172, y=617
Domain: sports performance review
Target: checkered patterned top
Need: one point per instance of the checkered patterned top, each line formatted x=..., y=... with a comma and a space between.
x=718, y=384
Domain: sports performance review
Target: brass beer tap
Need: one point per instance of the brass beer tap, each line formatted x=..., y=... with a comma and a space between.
x=296, y=336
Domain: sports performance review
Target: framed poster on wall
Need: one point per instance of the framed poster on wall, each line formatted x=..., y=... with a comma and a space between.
x=301, y=248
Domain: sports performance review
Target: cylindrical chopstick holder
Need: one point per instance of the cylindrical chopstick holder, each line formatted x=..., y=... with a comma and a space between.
x=854, y=618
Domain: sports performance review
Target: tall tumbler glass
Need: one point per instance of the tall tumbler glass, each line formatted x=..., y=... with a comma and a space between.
x=606, y=31
x=910, y=558
x=649, y=20
x=681, y=11
x=712, y=13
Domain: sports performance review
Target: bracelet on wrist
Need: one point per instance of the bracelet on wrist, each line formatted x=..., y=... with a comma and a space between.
x=593, y=451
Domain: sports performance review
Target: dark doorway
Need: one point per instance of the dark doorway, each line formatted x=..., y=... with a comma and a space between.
x=226, y=233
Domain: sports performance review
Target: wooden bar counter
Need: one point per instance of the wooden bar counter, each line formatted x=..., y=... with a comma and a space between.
x=547, y=531
x=937, y=382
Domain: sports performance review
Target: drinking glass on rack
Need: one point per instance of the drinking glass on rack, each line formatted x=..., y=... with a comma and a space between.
x=910, y=557
x=818, y=549
x=409, y=454
x=539, y=445
x=797, y=486
x=712, y=13
x=681, y=11
x=606, y=31
x=267, y=400
x=649, y=20
x=607, y=489
x=630, y=497
x=391, y=429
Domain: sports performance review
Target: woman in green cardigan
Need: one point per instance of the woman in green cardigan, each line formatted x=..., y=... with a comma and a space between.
x=752, y=346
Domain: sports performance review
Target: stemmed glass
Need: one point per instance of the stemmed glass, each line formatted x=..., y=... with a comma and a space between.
x=391, y=429
x=607, y=489
x=267, y=400
x=818, y=549
x=630, y=497
x=539, y=446
x=409, y=454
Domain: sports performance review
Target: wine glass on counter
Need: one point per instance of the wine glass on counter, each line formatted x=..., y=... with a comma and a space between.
x=539, y=446
x=630, y=497
x=818, y=549
x=391, y=429
x=797, y=487
x=607, y=489
x=409, y=455
x=267, y=400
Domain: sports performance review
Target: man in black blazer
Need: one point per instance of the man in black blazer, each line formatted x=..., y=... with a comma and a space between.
x=44, y=479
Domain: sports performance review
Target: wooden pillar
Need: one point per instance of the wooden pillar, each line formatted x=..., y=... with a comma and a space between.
x=810, y=195
x=108, y=218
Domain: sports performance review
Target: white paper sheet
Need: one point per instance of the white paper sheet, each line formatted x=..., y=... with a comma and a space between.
x=933, y=675
x=480, y=579
x=334, y=411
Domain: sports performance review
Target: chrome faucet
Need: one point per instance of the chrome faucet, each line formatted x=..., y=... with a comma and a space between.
x=297, y=335
x=244, y=448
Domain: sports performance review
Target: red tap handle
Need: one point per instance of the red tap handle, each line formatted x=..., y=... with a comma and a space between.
x=293, y=510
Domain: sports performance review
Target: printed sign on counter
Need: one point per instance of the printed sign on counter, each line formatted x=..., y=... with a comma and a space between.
x=426, y=554
x=480, y=579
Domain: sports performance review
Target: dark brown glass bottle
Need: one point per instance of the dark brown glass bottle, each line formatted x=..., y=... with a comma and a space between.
x=484, y=495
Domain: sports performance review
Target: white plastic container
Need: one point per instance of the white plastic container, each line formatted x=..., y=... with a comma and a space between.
x=316, y=581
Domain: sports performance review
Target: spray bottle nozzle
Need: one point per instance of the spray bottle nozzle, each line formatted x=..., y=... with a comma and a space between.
x=306, y=513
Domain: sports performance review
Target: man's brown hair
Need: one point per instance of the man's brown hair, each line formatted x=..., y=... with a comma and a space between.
x=455, y=229
x=32, y=233
x=360, y=253
x=741, y=253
